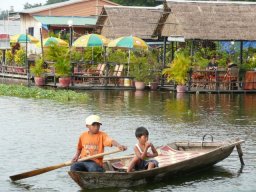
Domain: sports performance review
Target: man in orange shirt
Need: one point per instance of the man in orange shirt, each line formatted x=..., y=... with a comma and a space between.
x=91, y=143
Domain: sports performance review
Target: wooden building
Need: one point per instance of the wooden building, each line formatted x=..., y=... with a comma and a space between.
x=81, y=14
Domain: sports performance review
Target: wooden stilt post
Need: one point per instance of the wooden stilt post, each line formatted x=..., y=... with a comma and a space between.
x=240, y=153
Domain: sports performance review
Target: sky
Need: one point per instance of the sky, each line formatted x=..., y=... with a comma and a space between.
x=18, y=4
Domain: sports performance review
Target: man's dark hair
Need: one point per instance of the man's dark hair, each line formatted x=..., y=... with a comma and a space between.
x=141, y=131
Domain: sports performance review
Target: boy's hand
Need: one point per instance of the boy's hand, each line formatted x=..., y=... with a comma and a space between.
x=148, y=144
x=122, y=147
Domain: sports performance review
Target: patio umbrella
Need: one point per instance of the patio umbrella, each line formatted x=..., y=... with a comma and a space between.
x=128, y=42
x=23, y=38
x=91, y=40
x=49, y=41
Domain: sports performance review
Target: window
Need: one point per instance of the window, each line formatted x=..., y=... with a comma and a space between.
x=31, y=31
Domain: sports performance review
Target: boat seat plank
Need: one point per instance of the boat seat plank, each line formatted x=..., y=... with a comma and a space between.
x=166, y=156
x=110, y=167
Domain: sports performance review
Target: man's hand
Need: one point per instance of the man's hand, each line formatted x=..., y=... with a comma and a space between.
x=75, y=159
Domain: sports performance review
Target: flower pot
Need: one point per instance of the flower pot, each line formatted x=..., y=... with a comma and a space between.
x=39, y=81
x=64, y=81
x=153, y=86
x=181, y=88
x=127, y=82
x=139, y=85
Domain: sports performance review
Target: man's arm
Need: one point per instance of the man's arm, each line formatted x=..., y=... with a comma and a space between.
x=116, y=144
x=76, y=157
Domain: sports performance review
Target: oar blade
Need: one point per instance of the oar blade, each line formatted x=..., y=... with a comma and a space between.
x=35, y=172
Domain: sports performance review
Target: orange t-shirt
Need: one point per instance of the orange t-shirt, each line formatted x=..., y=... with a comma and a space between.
x=92, y=144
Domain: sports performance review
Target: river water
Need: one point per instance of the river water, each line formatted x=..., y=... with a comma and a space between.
x=41, y=133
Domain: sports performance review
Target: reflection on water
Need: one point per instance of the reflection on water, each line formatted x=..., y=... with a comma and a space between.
x=40, y=133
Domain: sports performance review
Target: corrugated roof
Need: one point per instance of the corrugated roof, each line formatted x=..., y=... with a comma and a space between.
x=59, y=20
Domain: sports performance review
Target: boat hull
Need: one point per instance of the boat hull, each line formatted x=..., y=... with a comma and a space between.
x=124, y=179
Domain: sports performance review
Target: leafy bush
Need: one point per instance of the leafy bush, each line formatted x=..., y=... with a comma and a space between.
x=117, y=56
x=61, y=57
x=76, y=56
x=9, y=57
x=94, y=54
x=250, y=64
x=38, y=93
x=62, y=67
x=178, y=69
x=38, y=70
x=52, y=53
x=139, y=68
x=20, y=57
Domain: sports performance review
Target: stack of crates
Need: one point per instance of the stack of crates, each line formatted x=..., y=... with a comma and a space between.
x=4, y=45
x=4, y=41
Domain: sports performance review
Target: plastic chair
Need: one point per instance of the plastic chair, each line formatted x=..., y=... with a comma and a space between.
x=232, y=77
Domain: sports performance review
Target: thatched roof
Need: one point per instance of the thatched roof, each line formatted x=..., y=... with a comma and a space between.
x=117, y=21
x=208, y=20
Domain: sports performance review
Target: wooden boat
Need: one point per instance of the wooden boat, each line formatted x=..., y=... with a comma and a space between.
x=174, y=159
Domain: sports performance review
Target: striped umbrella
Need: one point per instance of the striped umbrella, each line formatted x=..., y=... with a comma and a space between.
x=49, y=41
x=91, y=40
x=128, y=42
x=23, y=38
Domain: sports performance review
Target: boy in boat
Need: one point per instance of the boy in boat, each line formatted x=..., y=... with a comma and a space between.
x=90, y=143
x=143, y=159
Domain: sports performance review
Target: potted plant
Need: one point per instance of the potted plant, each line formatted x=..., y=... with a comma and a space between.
x=139, y=69
x=178, y=70
x=60, y=56
x=39, y=72
x=154, y=70
x=63, y=71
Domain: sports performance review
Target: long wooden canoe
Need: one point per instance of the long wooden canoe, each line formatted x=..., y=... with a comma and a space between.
x=174, y=159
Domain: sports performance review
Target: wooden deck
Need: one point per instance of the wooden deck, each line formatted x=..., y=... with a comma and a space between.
x=110, y=83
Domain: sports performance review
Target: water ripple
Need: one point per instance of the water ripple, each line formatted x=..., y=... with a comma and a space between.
x=40, y=133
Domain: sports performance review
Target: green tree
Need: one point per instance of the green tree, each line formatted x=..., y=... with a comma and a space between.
x=138, y=2
x=48, y=2
x=28, y=5
x=3, y=15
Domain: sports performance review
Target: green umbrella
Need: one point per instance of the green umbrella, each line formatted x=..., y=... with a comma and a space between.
x=23, y=38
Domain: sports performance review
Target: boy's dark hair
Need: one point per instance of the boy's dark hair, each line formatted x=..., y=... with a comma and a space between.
x=141, y=131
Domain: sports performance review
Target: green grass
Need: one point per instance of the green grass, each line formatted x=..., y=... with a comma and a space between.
x=39, y=93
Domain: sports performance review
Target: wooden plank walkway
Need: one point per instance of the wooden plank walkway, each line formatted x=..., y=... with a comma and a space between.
x=8, y=77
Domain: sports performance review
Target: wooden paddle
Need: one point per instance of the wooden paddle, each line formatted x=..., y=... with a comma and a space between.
x=50, y=168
